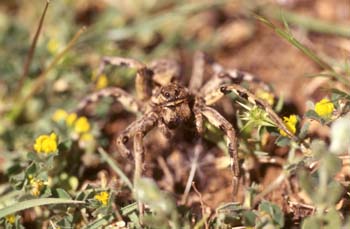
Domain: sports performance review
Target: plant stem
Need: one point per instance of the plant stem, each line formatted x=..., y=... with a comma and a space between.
x=29, y=58
x=309, y=23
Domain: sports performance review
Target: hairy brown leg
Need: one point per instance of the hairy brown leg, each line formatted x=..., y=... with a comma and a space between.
x=231, y=76
x=143, y=125
x=220, y=122
x=128, y=102
x=143, y=81
x=165, y=71
x=217, y=94
x=165, y=130
x=138, y=155
x=146, y=125
x=198, y=116
x=198, y=69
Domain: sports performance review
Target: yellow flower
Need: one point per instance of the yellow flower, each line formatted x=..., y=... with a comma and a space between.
x=102, y=197
x=59, y=115
x=46, y=143
x=10, y=218
x=52, y=46
x=266, y=96
x=37, y=186
x=71, y=119
x=82, y=125
x=87, y=137
x=324, y=108
x=290, y=123
x=102, y=82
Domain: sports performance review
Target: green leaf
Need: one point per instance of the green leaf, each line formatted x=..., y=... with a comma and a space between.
x=331, y=163
x=274, y=211
x=307, y=183
x=311, y=222
x=336, y=190
x=249, y=218
x=282, y=141
x=99, y=223
x=304, y=130
x=329, y=220
x=66, y=145
x=333, y=219
x=33, y=203
x=61, y=193
x=311, y=114
x=129, y=209
x=147, y=191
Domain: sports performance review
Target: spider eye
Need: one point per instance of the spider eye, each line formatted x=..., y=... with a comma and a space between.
x=166, y=94
x=176, y=92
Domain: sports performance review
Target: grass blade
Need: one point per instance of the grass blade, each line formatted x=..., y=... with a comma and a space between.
x=34, y=203
x=309, y=23
x=115, y=167
x=287, y=36
x=308, y=52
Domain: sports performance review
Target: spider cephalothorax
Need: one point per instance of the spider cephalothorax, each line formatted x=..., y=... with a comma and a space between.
x=164, y=103
x=172, y=101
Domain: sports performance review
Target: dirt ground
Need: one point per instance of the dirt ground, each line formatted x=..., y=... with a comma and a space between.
x=251, y=46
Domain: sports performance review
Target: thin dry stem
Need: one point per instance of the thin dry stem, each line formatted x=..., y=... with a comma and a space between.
x=29, y=58
x=202, y=204
x=41, y=79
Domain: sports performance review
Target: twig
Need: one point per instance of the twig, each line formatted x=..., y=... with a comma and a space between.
x=168, y=176
x=202, y=205
x=41, y=79
x=29, y=58
x=197, y=151
x=274, y=185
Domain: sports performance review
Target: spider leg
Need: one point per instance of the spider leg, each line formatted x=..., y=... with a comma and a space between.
x=221, y=75
x=138, y=154
x=197, y=76
x=198, y=116
x=146, y=124
x=120, y=95
x=220, y=122
x=231, y=76
x=217, y=94
x=165, y=71
x=142, y=125
x=143, y=81
x=165, y=130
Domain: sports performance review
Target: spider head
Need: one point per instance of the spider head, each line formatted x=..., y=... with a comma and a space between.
x=172, y=99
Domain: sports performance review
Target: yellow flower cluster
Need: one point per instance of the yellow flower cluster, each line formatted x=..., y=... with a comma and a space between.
x=59, y=115
x=36, y=186
x=324, y=108
x=102, y=197
x=101, y=82
x=53, y=46
x=80, y=125
x=10, y=218
x=290, y=122
x=266, y=96
x=46, y=143
x=71, y=118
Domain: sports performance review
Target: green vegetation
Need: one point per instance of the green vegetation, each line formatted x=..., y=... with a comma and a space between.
x=60, y=169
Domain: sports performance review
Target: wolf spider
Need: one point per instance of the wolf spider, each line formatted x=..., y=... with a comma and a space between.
x=166, y=104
